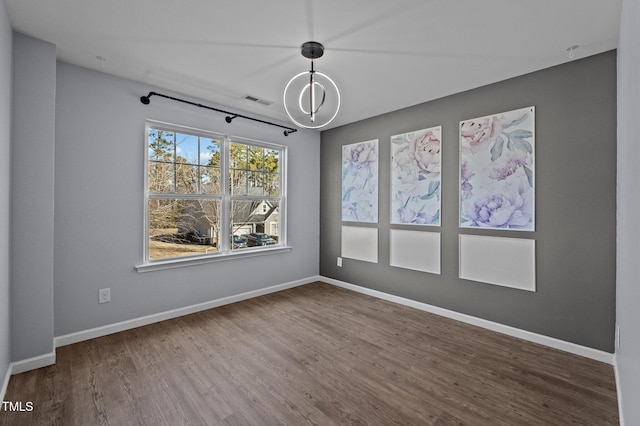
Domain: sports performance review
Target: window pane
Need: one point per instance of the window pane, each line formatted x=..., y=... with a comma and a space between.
x=161, y=177
x=272, y=184
x=272, y=161
x=187, y=179
x=186, y=148
x=255, y=181
x=209, y=152
x=182, y=227
x=256, y=220
x=238, y=182
x=237, y=156
x=255, y=158
x=160, y=145
x=209, y=180
x=187, y=165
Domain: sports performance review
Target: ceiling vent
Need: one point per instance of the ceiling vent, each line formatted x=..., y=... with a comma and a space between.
x=257, y=100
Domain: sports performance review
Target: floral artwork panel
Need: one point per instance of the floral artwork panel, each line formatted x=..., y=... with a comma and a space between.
x=360, y=182
x=497, y=172
x=415, y=177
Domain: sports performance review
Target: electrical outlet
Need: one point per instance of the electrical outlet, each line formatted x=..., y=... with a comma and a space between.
x=340, y=262
x=104, y=295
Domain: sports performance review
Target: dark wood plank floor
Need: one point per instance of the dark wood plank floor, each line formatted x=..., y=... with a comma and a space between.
x=315, y=354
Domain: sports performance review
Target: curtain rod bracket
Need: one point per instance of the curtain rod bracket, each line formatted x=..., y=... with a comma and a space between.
x=146, y=100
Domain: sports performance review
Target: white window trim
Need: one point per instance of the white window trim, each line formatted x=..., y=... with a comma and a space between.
x=225, y=252
x=179, y=262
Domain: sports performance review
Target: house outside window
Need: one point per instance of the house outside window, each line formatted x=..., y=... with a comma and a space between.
x=208, y=194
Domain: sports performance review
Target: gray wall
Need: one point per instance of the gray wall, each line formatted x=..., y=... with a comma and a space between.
x=6, y=44
x=575, y=204
x=100, y=154
x=628, y=314
x=32, y=157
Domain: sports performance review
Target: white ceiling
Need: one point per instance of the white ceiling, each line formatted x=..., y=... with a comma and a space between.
x=384, y=55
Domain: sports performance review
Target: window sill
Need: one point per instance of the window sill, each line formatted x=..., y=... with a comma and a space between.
x=221, y=257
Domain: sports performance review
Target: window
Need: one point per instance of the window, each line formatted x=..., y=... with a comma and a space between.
x=208, y=194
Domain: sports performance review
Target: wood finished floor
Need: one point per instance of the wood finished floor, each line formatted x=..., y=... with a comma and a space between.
x=315, y=354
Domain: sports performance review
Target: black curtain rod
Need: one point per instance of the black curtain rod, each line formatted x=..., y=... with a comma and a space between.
x=146, y=100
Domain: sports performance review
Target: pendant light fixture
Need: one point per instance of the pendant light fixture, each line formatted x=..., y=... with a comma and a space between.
x=311, y=98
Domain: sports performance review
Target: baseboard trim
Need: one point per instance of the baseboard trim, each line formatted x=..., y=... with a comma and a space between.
x=616, y=374
x=105, y=330
x=5, y=383
x=33, y=363
x=26, y=365
x=490, y=325
x=68, y=339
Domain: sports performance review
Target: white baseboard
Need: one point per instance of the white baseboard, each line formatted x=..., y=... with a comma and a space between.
x=26, y=365
x=490, y=325
x=80, y=336
x=618, y=390
x=49, y=359
x=33, y=363
x=5, y=383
